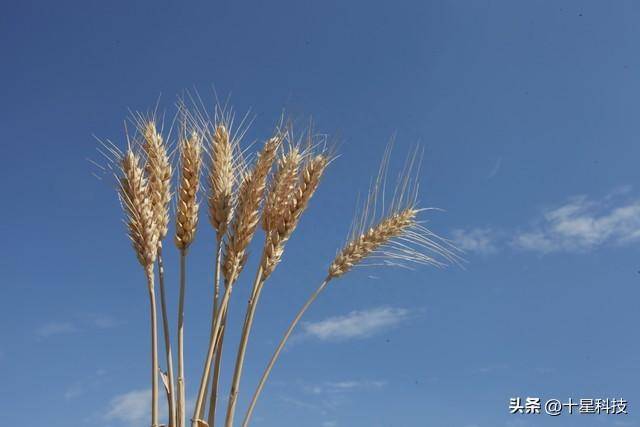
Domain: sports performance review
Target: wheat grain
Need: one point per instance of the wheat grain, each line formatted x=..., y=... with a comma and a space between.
x=134, y=196
x=158, y=170
x=221, y=179
x=364, y=245
x=286, y=211
x=282, y=188
x=247, y=215
x=187, y=210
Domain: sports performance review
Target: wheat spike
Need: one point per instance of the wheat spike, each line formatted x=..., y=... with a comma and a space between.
x=221, y=179
x=187, y=209
x=158, y=169
x=282, y=187
x=284, y=216
x=393, y=234
x=133, y=193
x=247, y=213
x=364, y=245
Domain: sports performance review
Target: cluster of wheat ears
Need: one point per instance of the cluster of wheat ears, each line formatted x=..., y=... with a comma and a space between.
x=272, y=192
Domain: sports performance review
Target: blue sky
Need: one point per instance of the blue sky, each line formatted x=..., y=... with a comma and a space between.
x=528, y=115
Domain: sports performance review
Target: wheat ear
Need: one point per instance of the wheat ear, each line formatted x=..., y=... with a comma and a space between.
x=247, y=216
x=283, y=220
x=158, y=173
x=186, y=223
x=144, y=236
x=396, y=236
x=221, y=179
x=288, y=198
x=243, y=227
x=225, y=162
x=187, y=209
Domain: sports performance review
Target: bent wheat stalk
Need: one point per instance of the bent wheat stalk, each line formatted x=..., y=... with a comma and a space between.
x=287, y=200
x=186, y=222
x=396, y=237
x=143, y=233
x=242, y=230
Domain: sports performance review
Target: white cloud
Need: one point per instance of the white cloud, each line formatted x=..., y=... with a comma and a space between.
x=356, y=324
x=103, y=321
x=73, y=391
x=582, y=225
x=132, y=408
x=330, y=387
x=480, y=240
x=55, y=328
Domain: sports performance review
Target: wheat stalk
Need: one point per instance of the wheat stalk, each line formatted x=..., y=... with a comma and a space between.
x=186, y=222
x=225, y=166
x=144, y=236
x=288, y=198
x=243, y=227
x=158, y=173
x=396, y=236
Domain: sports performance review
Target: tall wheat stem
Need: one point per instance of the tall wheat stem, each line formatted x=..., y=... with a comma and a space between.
x=218, y=355
x=224, y=302
x=154, y=349
x=167, y=340
x=246, y=329
x=181, y=385
x=281, y=345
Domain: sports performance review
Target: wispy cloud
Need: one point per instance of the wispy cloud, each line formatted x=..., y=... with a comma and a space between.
x=357, y=324
x=330, y=387
x=55, y=328
x=103, y=321
x=80, y=323
x=479, y=240
x=131, y=408
x=496, y=168
x=326, y=397
x=582, y=224
x=86, y=385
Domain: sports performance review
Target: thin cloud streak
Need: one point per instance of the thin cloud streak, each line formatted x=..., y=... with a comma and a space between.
x=356, y=324
x=55, y=328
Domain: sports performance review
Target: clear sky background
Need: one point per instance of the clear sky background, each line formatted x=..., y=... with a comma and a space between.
x=527, y=110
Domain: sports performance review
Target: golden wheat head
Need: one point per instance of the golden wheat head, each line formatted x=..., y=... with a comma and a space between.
x=393, y=235
x=187, y=208
x=158, y=172
x=288, y=208
x=221, y=179
x=282, y=187
x=247, y=213
x=137, y=204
